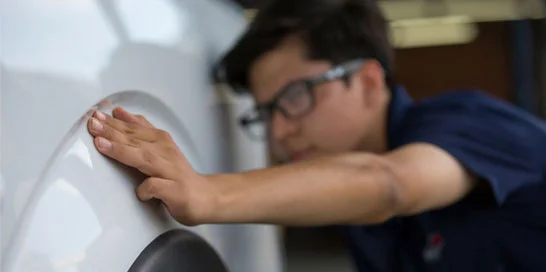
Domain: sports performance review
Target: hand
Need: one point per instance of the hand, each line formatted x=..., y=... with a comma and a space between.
x=133, y=141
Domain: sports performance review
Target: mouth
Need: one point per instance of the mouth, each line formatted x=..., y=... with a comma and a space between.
x=300, y=155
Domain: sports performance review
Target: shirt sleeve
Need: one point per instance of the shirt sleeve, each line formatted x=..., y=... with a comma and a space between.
x=493, y=141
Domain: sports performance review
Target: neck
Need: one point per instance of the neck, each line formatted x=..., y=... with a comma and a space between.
x=377, y=139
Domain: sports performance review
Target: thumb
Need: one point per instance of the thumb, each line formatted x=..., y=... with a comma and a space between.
x=154, y=188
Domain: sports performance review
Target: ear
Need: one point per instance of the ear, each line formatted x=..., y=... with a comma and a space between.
x=372, y=80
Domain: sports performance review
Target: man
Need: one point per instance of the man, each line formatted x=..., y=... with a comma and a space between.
x=453, y=183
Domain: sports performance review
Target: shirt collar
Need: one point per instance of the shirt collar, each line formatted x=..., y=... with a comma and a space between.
x=399, y=104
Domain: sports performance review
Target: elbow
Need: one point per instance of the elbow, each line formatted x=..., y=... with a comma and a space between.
x=392, y=200
x=389, y=200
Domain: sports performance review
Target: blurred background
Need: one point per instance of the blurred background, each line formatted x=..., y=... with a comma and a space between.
x=498, y=46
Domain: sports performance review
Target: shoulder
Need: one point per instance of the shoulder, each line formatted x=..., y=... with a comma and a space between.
x=472, y=112
x=490, y=138
x=463, y=102
x=472, y=101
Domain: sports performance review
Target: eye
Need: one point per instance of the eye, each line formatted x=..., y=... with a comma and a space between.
x=296, y=99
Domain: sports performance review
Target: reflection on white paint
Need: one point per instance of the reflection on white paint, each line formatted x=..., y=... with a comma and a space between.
x=36, y=7
x=67, y=188
x=152, y=20
x=80, y=150
x=63, y=48
x=69, y=261
x=59, y=242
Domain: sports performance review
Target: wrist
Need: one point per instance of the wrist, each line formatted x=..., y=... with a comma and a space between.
x=199, y=201
x=223, y=197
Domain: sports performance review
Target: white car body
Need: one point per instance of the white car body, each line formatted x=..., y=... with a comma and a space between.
x=65, y=207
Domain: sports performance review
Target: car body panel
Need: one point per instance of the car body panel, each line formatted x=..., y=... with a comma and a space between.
x=65, y=207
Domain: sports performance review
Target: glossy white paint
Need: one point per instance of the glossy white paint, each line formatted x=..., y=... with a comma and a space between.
x=65, y=207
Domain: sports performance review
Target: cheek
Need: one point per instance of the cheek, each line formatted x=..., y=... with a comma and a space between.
x=337, y=123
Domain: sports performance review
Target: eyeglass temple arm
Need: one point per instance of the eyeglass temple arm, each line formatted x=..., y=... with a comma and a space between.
x=245, y=121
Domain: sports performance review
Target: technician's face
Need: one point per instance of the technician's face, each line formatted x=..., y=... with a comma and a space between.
x=332, y=117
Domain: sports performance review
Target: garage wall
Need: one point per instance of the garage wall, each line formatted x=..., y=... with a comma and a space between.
x=483, y=64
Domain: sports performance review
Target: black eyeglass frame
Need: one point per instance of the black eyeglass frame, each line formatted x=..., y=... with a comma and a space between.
x=342, y=71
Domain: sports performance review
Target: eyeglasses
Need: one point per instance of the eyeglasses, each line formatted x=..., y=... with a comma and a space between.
x=294, y=100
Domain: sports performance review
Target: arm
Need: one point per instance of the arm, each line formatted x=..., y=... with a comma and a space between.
x=356, y=188
x=349, y=188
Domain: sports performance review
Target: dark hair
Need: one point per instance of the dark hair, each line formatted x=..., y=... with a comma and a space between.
x=332, y=30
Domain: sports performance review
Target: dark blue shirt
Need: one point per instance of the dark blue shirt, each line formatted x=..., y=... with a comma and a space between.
x=501, y=225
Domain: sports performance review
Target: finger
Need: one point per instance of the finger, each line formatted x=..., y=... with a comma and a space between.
x=121, y=114
x=154, y=188
x=97, y=128
x=128, y=155
x=129, y=129
x=144, y=121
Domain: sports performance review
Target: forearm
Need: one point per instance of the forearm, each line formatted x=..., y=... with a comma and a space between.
x=345, y=189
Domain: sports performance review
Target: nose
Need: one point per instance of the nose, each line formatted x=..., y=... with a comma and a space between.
x=281, y=127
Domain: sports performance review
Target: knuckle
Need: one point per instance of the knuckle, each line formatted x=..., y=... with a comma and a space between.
x=133, y=142
x=130, y=128
x=118, y=150
x=171, y=151
x=128, y=131
x=145, y=163
x=148, y=157
x=107, y=132
x=164, y=134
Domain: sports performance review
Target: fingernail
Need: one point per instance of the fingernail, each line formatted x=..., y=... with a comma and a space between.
x=104, y=144
x=96, y=125
x=101, y=116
